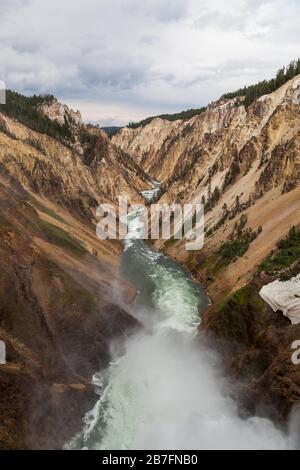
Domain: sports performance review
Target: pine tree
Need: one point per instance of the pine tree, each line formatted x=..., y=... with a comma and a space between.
x=253, y=92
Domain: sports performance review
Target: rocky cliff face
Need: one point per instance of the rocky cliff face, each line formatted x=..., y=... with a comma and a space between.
x=235, y=160
x=56, y=298
x=211, y=141
x=60, y=112
x=244, y=165
x=61, y=297
x=47, y=167
x=149, y=145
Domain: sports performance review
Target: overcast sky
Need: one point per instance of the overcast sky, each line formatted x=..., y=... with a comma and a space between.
x=121, y=60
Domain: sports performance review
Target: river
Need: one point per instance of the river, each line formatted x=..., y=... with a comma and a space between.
x=167, y=390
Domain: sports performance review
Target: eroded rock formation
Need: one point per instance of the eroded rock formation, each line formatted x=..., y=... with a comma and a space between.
x=62, y=300
x=243, y=165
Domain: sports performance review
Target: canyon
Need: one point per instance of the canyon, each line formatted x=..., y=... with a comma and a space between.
x=243, y=164
x=64, y=298
x=237, y=162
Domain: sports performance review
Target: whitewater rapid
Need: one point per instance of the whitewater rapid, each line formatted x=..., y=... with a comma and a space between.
x=167, y=390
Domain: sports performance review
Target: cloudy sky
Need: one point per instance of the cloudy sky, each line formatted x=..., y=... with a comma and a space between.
x=127, y=59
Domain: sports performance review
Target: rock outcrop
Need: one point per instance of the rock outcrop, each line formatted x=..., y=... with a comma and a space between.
x=61, y=112
x=284, y=296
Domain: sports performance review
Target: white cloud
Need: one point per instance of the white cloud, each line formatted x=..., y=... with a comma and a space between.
x=6, y=5
x=138, y=58
x=161, y=10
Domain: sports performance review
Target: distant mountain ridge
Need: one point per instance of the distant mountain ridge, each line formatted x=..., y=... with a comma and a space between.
x=111, y=130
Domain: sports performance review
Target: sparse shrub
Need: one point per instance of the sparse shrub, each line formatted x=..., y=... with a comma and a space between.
x=287, y=253
x=238, y=243
x=5, y=130
x=35, y=144
x=231, y=174
x=88, y=142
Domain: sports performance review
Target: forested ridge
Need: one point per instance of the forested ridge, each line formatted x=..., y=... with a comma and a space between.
x=265, y=87
x=251, y=93
x=185, y=115
x=25, y=110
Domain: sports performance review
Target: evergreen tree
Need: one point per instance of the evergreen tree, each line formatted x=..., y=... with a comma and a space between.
x=253, y=92
x=25, y=110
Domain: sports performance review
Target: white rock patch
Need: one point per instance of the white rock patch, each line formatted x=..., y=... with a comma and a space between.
x=284, y=296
